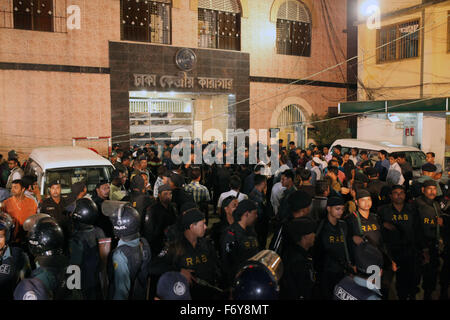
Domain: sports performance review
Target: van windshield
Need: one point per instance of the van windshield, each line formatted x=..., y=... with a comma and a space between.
x=69, y=176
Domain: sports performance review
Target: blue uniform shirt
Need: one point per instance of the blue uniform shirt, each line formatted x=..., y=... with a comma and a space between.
x=122, y=283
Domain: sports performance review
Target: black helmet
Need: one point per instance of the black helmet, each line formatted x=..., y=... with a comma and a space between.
x=45, y=238
x=258, y=278
x=254, y=283
x=6, y=223
x=85, y=211
x=125, y=219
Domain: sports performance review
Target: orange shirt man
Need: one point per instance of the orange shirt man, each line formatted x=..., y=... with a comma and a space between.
x=19, y=207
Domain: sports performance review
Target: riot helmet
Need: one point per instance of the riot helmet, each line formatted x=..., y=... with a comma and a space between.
x=7, y=224
x=45, y=236
x=124, y=218
x=258, y=278
x=85, y=211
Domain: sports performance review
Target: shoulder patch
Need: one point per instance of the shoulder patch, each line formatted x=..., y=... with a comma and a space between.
x=115, y=265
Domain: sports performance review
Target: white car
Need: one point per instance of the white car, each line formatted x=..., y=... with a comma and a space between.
x=414, y=156
x=68, y=165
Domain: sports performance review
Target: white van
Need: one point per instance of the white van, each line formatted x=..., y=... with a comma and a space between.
x=68, y=165
x=414, y=156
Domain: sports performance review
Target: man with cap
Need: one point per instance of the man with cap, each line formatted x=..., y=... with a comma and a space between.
x=428, y=172
x=298, y=280
x=365, y=284
x=402, y=235
x=331, y=250
x=158, y=218
x=55, y=206
x=374, y=186
x=239, y=242
x=15, y=172
x=194, y=256
x=364, y=225
x=299, y=204
x=431, y=222
x=173, y=286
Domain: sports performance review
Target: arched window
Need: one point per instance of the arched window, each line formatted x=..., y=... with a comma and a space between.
x=294, y=29
x=289, y=121
x=146, y=20
x=219, y=24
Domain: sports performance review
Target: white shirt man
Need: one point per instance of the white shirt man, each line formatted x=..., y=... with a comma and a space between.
x=275, y=197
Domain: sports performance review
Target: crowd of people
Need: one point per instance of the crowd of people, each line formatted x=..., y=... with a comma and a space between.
x=158, y=230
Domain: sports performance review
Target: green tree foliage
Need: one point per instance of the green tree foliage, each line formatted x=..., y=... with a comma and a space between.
x=326, y=132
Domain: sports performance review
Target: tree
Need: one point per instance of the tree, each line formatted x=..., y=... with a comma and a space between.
x=325, y=131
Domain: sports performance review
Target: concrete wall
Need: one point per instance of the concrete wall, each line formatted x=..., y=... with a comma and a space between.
x=401, y=79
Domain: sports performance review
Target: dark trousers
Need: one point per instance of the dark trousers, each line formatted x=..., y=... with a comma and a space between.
x=262, y=231
x=408, y=273
x=445, y=273
x=430, y=273
x=328, y=280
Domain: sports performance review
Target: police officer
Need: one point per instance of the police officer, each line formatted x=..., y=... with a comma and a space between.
x=48, y=280
x=84, y=247
x=158, y=218
x=359, y=287
x=14, y=263
x=298, y=280
x=401, y=233
x=431, y=222
x=239, y=242
x=129, y=268
x=299, y=205
x=55, y=206
x=194, y=256
x=138, y=197
x=331, y=250
x=229, y=204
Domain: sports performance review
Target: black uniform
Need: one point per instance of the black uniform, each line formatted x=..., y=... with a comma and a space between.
x=331, y=255
x=403, y=244
x=375, y=188
x=202, y=259
x=141, y=202
x=429, y=211
x=84, y=252
x=298, y=280
x=58, y=212
x=157, y=220
x=180, y=196
x=237, y=245
x=103, y=222
x=265, y=213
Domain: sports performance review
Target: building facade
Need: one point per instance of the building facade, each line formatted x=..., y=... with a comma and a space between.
x=137, y=70
x=403, y=66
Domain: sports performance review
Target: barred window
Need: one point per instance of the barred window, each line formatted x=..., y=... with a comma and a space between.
x=219, y=24
x=294, y=29
x=33, y=15
x=146, y=21
x=399, y=41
